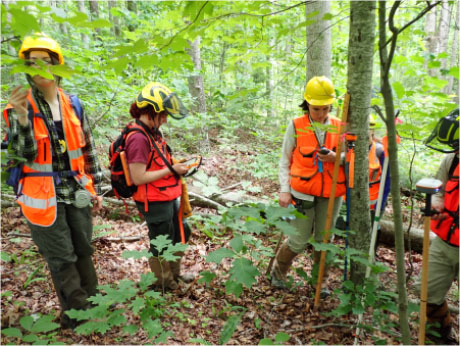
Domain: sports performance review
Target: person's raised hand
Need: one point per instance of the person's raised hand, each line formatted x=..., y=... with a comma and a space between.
x=18, y=100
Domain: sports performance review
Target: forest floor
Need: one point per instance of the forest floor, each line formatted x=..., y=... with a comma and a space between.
x=199, y=312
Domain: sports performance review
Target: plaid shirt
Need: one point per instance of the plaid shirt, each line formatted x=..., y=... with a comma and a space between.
x=25, y=145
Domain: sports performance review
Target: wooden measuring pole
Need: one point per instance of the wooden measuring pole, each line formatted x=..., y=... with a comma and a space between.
x=424, y=284
x=330, y=206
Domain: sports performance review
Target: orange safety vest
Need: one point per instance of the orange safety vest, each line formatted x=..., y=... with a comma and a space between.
x=38, y=194
x=167, y=188
x=305, y=176
x=447, y=228
x=375, y=172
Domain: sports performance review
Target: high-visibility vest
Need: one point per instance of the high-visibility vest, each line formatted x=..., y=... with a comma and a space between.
x=305, y=173
x=37, y=189
x=375, y=172
x=447, y=228
x=166, y=188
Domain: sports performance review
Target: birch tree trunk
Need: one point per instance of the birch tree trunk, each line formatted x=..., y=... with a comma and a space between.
x=454, y=54
x=443, y=30
x=115, y=20
x=318, y=40
x=94, y=10
x=196, y=87
x=360, y=63
x=84, y=37
x=430, y=38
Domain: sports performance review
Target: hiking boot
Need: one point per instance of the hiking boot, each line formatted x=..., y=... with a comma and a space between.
x=175, y=269
x=440, y=314
x=283, y=262
x=163, y=273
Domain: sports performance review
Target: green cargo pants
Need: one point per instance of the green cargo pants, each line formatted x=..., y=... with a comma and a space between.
x=162, y=219
x=66, y=247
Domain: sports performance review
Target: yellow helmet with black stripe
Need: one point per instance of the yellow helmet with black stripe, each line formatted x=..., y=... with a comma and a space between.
x=161, y=99
x=40, y=41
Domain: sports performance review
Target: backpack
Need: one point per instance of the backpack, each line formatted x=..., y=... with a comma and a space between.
x=14, y=165
x=121, y=184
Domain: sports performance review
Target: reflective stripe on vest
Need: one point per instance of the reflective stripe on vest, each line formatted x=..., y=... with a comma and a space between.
x=447, y=228
x=38, y=200
x=375, y=172
x=305, y=176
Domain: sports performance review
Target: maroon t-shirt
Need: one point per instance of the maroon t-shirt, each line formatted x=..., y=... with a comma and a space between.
x=137, y=148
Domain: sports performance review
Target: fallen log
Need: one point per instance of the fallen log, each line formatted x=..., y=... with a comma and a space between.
x=416, y=236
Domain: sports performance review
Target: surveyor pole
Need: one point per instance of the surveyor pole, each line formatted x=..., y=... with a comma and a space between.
x=330, y=206
x=430, y=187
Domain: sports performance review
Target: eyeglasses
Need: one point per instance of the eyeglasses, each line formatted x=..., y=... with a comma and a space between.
x=33, y=62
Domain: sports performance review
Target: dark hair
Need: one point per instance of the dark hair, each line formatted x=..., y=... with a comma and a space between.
x=304, y=105
x=136, y=112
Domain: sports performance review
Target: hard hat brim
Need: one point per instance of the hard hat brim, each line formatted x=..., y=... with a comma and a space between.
x=320, y=102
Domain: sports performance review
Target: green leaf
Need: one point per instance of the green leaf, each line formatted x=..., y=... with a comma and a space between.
x=63, y=71
x=282, y=337
x=98, y=23
x=137, y=304
x=255, y=227
x=31, y=338
x=207, y=277
x=5, y=256
x=12, y=332
x=229, y=328
x=27, y=322
x=218, y=255
x=266, y=341
x=454, y=72
x=328, y=16
x=23, y=22
x=434, y=64
x=399, y=89
x=232, y=287
x=358, y=308
x=147, y=279
x=44, y=324
x=136, y=254
x=152, y=327
x=237, y=243
x=244, y=272
x=161, y=242
x=131, y=329
x=199, y=341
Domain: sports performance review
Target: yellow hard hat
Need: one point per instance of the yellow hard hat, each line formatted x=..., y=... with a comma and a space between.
x=162, y=99
x=319, y=91
x=40, y=41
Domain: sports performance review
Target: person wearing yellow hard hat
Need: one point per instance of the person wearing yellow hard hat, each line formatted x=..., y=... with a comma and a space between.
x=59, y=179
x=305, y=172
x=157, y=177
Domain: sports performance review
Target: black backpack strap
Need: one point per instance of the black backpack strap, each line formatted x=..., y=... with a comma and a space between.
x=155, y=146
x=453, y=166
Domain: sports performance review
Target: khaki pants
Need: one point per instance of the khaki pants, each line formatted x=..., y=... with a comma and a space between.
x=315, y=222
x=442, y=270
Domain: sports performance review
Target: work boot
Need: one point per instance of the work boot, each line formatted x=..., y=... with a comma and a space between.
x=175, y=269
x=88, y=276
x=71, y=295
x=316, y=259
x=163, y=273
x=439, y=314
x=282, y=263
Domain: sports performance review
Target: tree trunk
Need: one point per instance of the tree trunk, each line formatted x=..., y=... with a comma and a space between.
x=132, y=7
x=443, y=31
x=454, y=55
x=269, y=82
x=385, y=63
x=196, y=87
x=360, y=63
x=94, y=11
x=115, y=20
x=84, y=37
x=430, y=36
x=318, y=40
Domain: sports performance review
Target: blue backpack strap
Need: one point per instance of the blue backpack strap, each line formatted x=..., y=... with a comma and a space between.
x=76, y=105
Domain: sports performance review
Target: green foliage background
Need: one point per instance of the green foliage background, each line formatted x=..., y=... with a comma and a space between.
x=240, y=41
